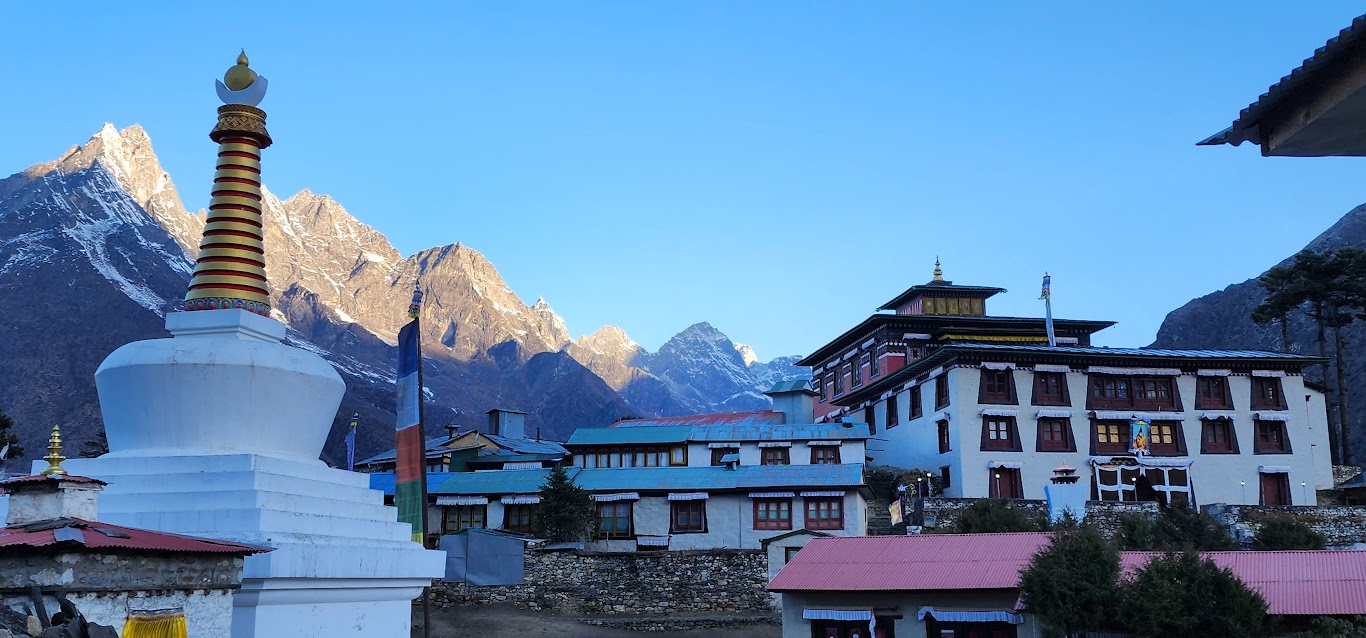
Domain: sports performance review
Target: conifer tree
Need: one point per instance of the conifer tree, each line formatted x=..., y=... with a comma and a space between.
x=9, y=437
x=566, y=512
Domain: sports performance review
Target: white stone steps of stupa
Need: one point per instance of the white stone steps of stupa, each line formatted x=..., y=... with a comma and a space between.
x=152, y=484
x=252, y=499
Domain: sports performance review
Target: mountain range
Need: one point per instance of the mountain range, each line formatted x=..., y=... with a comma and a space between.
x=96, y=246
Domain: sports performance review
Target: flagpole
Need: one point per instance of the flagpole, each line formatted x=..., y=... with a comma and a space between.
x=1047, y=298
x=416, y=311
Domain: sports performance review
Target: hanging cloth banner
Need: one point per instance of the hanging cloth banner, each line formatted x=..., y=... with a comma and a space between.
x=155, y=623
x=1139, y=436
x=409, y=494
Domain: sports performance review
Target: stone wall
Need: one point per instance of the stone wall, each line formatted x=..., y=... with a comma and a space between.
x=941, y=513
x=1105, y=515
x=1342, y=527
x=592, y=583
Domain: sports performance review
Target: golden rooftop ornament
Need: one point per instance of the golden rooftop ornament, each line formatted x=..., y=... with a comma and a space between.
x=230, y=271
x=938, y=274
x=54, y=456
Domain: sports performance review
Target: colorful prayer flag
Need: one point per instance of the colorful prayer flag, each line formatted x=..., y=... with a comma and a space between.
x=1047, y=281
x=351, y=443
x=409, y=487
x=1047, y=297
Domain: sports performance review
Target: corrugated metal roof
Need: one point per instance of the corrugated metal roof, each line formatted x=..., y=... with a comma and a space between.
x=1247, y=128
x=1309, y=583
x=760, y=417
x=613, y=435
x=527, y=446
x=910, y=563
x=24, y=481
x=80, y=534
x=792, y=385
x=436, y=447
x=1329, y=582
x=1139, y=352
x=800, y=432
x=660, y=479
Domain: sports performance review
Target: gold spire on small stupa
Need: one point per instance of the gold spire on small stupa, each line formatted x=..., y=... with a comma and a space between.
x=240, y=76
x=54, y=456
x=938, y=273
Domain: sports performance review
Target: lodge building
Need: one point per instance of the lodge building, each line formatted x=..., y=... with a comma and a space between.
x=990, y=406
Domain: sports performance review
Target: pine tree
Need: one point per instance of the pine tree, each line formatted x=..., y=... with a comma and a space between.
x=1071, y=585
x=9, y=437
x=1187, y=595
x=566, y=512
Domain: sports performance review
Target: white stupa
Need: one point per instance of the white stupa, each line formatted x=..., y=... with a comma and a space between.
x=216, y=432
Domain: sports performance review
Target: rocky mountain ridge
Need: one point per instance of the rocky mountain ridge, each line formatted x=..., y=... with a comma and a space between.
x=96, y=246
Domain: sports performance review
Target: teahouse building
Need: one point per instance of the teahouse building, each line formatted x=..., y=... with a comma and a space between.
x=989, y=404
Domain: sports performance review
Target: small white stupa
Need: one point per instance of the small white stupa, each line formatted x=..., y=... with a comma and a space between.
x=216, y=432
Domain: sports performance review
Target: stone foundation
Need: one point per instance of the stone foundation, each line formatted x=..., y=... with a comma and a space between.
x=602, y=584
x=942, y=513
x=1342, y=527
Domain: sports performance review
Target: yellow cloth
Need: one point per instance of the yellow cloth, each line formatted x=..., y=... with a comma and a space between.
x=155, y=623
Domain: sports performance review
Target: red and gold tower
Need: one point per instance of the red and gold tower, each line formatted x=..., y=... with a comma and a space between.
x=231, y=269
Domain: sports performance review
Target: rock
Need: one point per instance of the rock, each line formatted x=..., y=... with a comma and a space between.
x=35, y=626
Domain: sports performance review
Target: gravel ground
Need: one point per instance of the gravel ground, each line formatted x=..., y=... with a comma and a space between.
x=507, y=621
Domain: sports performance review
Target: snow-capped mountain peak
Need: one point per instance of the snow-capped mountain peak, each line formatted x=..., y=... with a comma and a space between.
x=746, y=354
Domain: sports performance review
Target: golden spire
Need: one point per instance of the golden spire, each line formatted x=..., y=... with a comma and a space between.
x=54, y=456
x=240, y=76
x=938, y=274
x=230, y=271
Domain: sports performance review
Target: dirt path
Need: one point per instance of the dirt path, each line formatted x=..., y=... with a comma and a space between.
x=506, y=621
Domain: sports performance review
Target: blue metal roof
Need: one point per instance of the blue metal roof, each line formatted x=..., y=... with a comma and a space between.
x=638, y=479
x=610, y=436
x=527, y=446
x=1140, y=352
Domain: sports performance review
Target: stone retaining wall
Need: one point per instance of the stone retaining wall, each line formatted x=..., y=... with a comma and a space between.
x=592, y=583
x=1342, y=527
x=941, y=513
x=1105, y=515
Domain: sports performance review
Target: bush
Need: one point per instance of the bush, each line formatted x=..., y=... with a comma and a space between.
x=1283, y=532
x=993, y=515
x=1186, y=595
x=1070, y=586
x=1177, y=529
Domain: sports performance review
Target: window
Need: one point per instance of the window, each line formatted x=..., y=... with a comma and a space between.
x=1117, y=482
x=517, y=518
x=998, y=433
x=1165, y=438
x=943, y=427
x=688, y=516
x=825, y=512
x=1275, y=489
x=825, y=455
x=637, y=457
x=825, y=389
x=1145, y=392
x=1005, y=483
x=945, y=478
x=914, y=394
x=1211, y=393
x=614, y=520
x=1055, y=435
x=997, y=386
x=1266, y=394
x=774, y=456
x=941, y=391
x=870, y=418
x=855, y=374
x=839, y=381
x=892, y=416
x=1112, y=437
x=1217, y=437
x=773, y=513
x=872, y=364
x=789, y=553
x=460, y=517
x=1050, y=388
x=1125, y=480
x=1271, y=438
x=718, y=452
x=678, y=455
x=885, y=628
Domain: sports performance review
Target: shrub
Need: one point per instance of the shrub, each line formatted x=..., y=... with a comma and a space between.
x=993, y=515
x=1177, y=529
x=1283, y=532
x=1187, y=595
x=1070, y=586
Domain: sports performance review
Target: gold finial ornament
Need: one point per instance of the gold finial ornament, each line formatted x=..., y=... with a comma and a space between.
x=938, y=274
x=240, y=76
x=54, y=456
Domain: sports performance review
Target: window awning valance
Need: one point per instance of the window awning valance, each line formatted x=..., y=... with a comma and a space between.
x=1050, y=367
x=771, y=494
x=620, y=496
x=522, y=499
x=687, y=496
x=823, y=493
x=822, y=443
x=945, y=615
x=991, y=365
x=1271, y=416
x=1213, y=373
x=1055, y=413
x=1211, y=415
x=723, y=446
x=653, y=541
x=1109, y=415
x=1274, y=469
x=837, y=614
x=1268, y=373
x=1000, y=412
x=462, y=500
x=1149, y=372
x=775, y=444
x=1010, y=465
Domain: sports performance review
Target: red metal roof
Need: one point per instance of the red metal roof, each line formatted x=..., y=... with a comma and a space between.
x=42, y=478
x=91, y=535
x=1328, y=582
x=1293, y=583
x=760, y=417
x=907, y=563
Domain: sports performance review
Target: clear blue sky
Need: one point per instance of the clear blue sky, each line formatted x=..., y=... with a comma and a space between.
x=776, y=168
